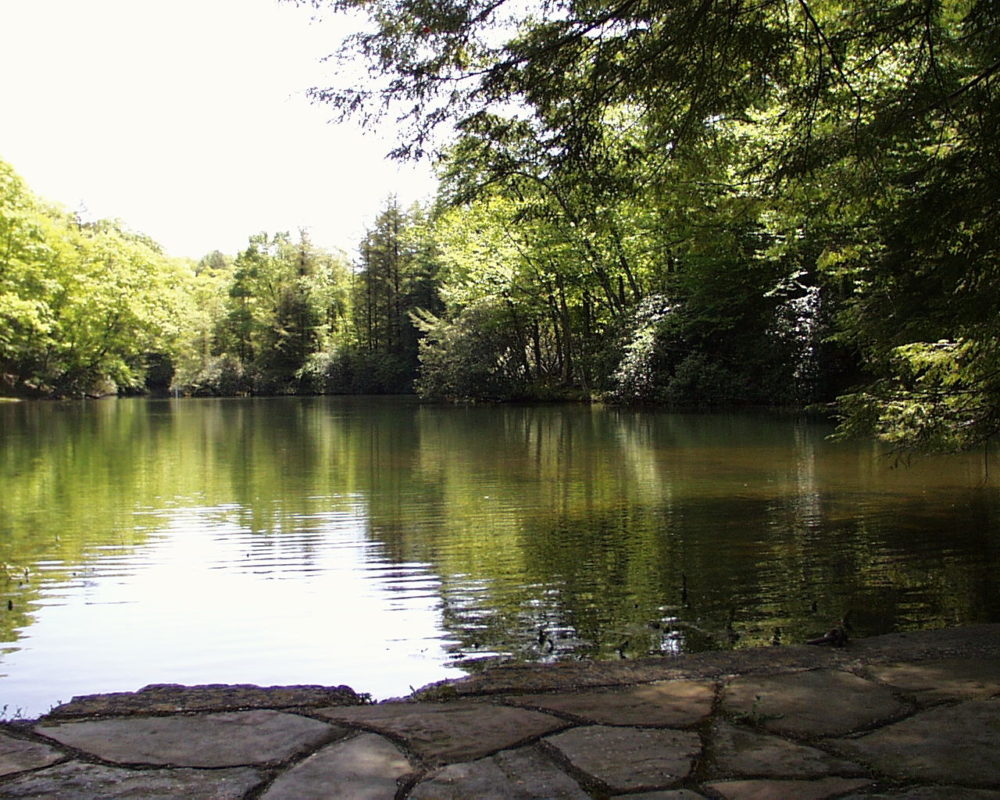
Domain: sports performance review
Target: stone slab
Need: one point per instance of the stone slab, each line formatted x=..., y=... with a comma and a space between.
x=968, y=641
x=972, y=641
x=78, y=781
x=18, y=755
x=522, y=774
x=165, y=698
x=810, y=704
x=672, y=704
x=561, y=675
x=930, y=793
x=442, y=733
x=786, y=790
x=227, y=739
x=946, y=679
x=627, y=759
x=366, y=767
x=937, y=745
x=669, y=794
x=738, y=752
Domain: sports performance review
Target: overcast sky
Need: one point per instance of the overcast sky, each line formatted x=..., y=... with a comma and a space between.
x=188, y=120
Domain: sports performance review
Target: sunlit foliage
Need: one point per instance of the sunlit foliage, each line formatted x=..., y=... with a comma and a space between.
x=84, y=307
x=742, y=160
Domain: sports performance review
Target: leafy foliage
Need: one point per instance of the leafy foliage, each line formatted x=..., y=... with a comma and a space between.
x=397, y=276
x=93, y=308
x=696, y=203
x=84, y=307
x=811, y=185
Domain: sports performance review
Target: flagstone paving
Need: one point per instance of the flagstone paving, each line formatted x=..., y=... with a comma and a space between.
x=911, y=716
x=520, y=774
x=76, y=780
x=812, y=703
x=17, y=755
x=744, y=752
x=366, y=766
x=776, y=790
x=673, y=704
x=210, y=740
x=449, y=732
x=627, y=759
x=936, y=745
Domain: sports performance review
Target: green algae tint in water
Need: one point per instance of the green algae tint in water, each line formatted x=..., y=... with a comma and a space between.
x=384, y=543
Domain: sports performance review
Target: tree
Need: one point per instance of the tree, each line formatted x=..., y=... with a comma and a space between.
x=383, y=262
x=25, y=317
x=477, y=345
x=396, y=275
x=286, y=306
x=865, y=135
x=84, y=307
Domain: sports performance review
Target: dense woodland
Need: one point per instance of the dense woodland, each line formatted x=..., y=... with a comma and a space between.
x=694, y=203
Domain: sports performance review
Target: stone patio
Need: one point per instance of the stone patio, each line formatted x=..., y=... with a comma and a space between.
x=913, y=716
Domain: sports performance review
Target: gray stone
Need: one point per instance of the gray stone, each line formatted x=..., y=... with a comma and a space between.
x=737, y=752
x=930, y=793
x=366, y=767
x=171, y=698
x=708, y=666
x=212, y=740
x=936, y=745
x=522, y=774
x=810, y=704
x=627, y=759
x=78, y=781
x=18, y=755
x=447, y=732
x=786, y=790
x=667, y=794
x=676, y=704
x=971, y=641
x=946, y=679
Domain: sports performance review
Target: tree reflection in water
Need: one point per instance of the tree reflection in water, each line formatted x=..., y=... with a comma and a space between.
x=305, y=540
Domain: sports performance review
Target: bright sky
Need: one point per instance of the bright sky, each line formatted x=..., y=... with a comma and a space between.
x=188, y=120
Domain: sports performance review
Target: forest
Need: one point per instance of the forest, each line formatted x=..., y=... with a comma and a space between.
x=702, y=203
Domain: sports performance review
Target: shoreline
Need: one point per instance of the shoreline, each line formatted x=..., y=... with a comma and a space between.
x=972, y=641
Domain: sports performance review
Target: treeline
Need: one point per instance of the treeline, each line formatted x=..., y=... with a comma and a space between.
x=85, y=308
x=92, y=308
x=497, y=298
x=752, y=202
x=741, y=201
x=286, y=317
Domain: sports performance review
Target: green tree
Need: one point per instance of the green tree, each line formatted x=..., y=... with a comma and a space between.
x=25, y=316
x=284, y=311
x=861, y=136
x=396, y=275
x=84, y=307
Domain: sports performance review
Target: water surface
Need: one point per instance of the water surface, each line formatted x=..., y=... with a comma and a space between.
x=384, y=543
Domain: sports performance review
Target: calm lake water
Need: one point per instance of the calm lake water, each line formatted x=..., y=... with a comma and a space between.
x=384, y=543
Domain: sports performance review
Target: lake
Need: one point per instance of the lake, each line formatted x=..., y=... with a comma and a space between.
x=385, y=543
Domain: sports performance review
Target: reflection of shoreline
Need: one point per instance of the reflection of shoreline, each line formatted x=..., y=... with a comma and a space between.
x=785, y=503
